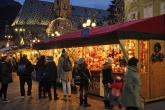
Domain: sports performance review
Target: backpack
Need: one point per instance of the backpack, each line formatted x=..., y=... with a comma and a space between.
x=21, y=69
x=77, y=78
x=67, y=66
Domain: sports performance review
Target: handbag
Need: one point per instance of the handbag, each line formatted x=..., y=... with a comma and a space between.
x=77, y=79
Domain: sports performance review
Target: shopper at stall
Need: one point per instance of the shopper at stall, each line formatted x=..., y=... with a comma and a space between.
x=24, y=71
x=65, y=73
x=6, y=76
x=85, y=79
x=40, y=70
x=51, y=77
x=131, y=90
x=107, y=81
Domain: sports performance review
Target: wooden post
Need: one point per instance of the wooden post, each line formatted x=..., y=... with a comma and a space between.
x=121, y=44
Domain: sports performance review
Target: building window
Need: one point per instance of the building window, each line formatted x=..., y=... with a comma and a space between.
x=131, y=1
x=148, y=10
x=133, y=15
x=162, y=7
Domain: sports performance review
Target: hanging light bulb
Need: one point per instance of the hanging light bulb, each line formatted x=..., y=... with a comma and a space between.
x=84, y=25
x=93, y=24
x=88, y=23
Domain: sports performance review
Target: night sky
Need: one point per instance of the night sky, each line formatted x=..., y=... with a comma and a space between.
x=100, y=4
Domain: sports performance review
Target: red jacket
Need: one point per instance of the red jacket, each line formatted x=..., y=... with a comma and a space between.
x=116, y=88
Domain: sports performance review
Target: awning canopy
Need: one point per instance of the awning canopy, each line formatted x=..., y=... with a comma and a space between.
x=149, y=28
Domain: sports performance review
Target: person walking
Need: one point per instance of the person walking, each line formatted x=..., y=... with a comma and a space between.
x=65, y=73
x=131, y=90
x=107, y=82
x=51, y=77
x=6, y=76
x=40, y=70
x=24, y=71
x=85, y=79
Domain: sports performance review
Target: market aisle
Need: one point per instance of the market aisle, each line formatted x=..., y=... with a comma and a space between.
x=16, y=103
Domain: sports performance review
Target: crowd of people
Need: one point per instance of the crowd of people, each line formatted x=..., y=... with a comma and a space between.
x=117, y=91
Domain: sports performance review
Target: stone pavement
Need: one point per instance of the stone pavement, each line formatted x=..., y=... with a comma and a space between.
x=16, y=103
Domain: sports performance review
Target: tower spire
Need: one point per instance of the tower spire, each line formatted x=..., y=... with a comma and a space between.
x=63, y=8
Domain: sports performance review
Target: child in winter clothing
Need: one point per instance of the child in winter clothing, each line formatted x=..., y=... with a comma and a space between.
x=116, y=90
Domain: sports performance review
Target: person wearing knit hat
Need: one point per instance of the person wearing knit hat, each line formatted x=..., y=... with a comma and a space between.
x=64, y=71
x=107, y=81
x=81, y=61
x=85, y=79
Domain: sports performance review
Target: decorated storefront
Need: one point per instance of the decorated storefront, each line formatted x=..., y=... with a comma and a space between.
x=144, y=39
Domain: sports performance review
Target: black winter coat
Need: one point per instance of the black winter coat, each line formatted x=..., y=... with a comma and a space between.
x=51, y=72
x=85, y=76
x=29, y=67
x=107, y=74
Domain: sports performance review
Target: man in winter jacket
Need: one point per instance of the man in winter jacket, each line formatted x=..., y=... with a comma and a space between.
x=107, y=81
x=6, y=75
x=51, y=77
x=24, y=71
x=40, y=70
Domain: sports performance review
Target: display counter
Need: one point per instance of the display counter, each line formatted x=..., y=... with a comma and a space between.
x=96, y=86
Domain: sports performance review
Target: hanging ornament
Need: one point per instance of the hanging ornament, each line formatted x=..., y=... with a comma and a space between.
x=22, y=41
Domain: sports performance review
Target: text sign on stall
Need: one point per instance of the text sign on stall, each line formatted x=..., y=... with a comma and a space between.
x=85, y=32
x=46, y=39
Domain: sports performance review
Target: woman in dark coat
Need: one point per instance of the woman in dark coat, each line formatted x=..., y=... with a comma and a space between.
x=85, y=79
x=131, y=90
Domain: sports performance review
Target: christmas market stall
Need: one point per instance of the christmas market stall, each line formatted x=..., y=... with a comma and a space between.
x=144, y=39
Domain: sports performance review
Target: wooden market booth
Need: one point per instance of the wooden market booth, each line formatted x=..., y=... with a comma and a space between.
x=144, y=39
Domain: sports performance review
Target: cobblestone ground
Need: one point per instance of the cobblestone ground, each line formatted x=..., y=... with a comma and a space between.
x=16, y=103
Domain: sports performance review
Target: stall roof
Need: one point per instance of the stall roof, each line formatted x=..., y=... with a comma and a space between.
x=149, y=28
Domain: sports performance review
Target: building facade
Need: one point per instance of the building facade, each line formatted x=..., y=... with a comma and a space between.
x=35, y=16
x=138, y=9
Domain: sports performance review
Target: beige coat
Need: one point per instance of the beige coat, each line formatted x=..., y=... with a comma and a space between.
x=61, y=73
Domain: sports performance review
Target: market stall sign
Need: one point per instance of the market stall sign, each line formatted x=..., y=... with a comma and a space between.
x=157, y=56
x=46, y=39
x=85, y=32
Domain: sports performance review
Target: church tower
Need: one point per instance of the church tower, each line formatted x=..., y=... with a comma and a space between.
x=63, y=8
x=62, y=24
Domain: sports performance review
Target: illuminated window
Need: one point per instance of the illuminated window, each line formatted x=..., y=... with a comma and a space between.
x=148, y=10
x=162, y=7
x=133, y=15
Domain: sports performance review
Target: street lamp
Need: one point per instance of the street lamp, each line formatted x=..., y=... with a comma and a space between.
x=89, y=23
x=35, y=40
x=8, y=37
x=56, y=33
x=20, y=30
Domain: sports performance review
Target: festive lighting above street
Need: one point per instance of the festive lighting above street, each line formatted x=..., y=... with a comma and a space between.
x=89, y=23
x=36, y=40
